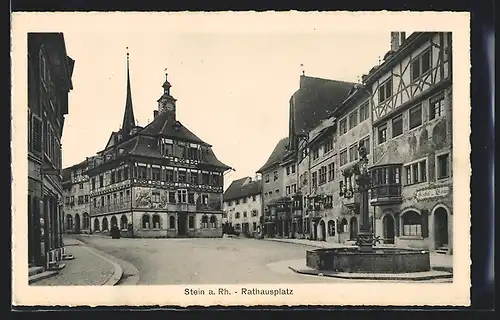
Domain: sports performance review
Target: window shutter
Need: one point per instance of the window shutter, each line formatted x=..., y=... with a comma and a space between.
x=37, y=134
x=396, y=222
x=425, y=223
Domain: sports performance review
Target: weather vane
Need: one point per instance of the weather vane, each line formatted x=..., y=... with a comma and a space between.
x=302, y=66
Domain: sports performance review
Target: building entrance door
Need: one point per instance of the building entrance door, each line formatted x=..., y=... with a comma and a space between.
x=353, y=228
x=388, y=224
x=182, y=226
x=441, y=228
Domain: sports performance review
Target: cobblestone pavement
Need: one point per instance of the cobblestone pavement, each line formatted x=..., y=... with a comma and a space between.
x=87, y=269
x=209, y=261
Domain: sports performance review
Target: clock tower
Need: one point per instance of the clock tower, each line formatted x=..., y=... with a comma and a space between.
x=166, y=103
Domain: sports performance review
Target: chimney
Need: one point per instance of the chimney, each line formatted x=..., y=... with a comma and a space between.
x=155, y=113
x=403, y=38
x=394, y=41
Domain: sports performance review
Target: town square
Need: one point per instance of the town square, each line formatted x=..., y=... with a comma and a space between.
x=184, y=175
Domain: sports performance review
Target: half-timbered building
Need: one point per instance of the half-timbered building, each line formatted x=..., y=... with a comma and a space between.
x=411, y=98
x=160, y=180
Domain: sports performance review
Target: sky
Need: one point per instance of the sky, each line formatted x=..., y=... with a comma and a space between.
x=233, y=88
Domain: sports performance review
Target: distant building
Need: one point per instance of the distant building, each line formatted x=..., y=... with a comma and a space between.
x=272, y=189
x=315, y=99
x=49, y=82
x=76, y=192
x=160, y=180
x=243, y=206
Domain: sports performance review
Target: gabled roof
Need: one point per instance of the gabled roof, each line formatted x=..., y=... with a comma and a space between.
x=243, y=187
x=315, y=100
x=166, y=126
x=276, y=156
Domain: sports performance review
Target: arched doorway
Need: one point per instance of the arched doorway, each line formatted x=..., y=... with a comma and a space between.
x=353, y=228
x=331, y=228
x=322, y=230
x=86, y=221
x=97, y=226
x=114, y=221
x=156, y=222
x=146, y=223
x=441, y=228
x=77, y=223
x=69, y=222
x=105, y=226
x=389, y=231
x=124, y=222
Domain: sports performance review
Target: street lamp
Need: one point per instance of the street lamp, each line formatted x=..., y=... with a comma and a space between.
x=365, y=239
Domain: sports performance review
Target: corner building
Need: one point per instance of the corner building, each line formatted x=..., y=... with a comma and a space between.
x=160, y=180
x=413, y=147
x=50, y=70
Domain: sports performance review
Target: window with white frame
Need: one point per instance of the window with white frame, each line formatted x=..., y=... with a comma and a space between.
x=315, y=153
x=415, y=116
x=328, y=147
x=314, y=179
x=331, y=171
x=343, y=126
x=353, y=152
x=366, y=143
x=421, y=65
x=412, y=224
x=287, y=190
x=416, y=172
x=266, y=178
x=293, y=168
x=276, y=175
x=382, y=133
x=343, y=157
x=182, y=196
x=436, y=106
x=364, y=110
x=385, y=91
x=353, y=119
x=397, y=125
x=443, y=166
x=322, y=175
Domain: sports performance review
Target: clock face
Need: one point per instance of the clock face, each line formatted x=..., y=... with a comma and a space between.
x=169, y=106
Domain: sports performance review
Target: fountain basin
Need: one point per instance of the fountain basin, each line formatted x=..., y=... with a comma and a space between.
x=380, y=260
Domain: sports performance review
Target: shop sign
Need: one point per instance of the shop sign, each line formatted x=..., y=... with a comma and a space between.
x=432, y=193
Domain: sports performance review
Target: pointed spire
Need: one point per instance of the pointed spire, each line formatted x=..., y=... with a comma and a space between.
x=128, y=116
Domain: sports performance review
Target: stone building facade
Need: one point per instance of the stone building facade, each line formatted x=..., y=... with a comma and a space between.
x=49, y=81
x=160, y=180
x=76, y=193
x=243, y=206
x=412, y=129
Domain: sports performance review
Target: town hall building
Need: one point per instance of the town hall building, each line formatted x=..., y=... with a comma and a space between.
x=160, y=180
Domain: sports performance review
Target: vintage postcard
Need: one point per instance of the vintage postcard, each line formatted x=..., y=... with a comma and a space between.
x=241, y=158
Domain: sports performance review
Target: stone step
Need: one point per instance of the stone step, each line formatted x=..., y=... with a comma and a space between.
x=56, y=266
x=35, y=270
x=41, y=276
